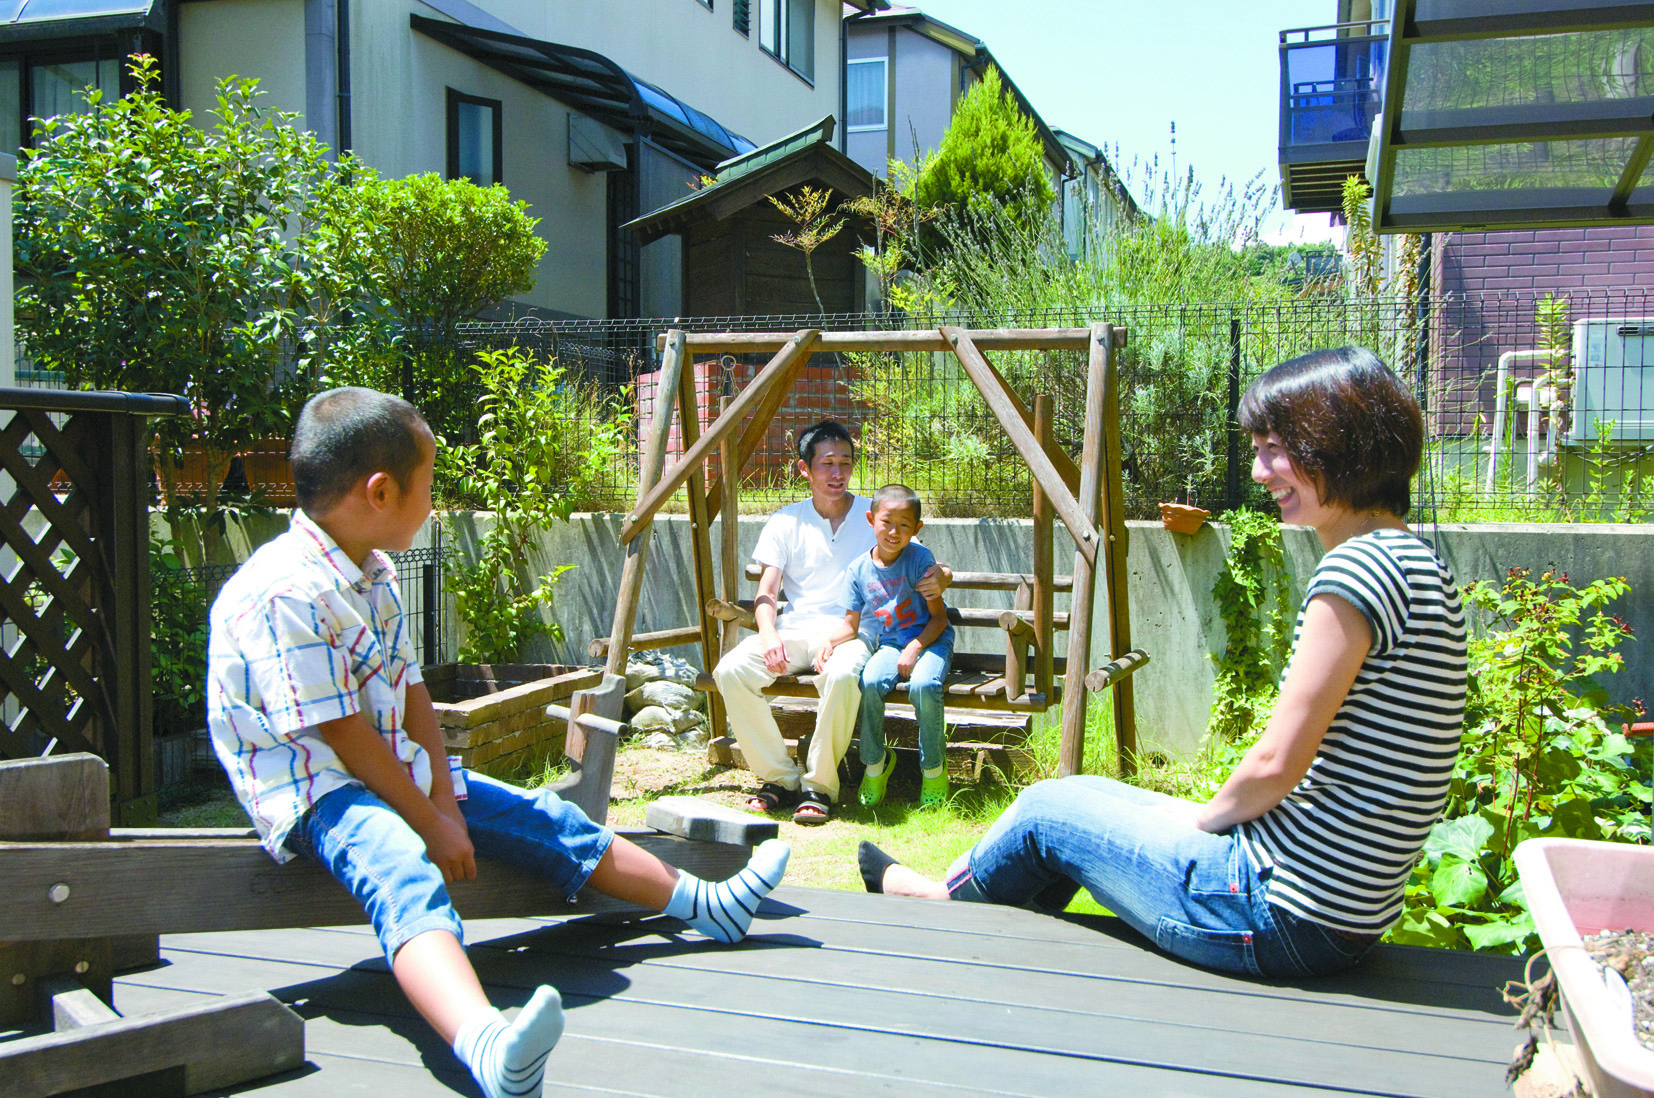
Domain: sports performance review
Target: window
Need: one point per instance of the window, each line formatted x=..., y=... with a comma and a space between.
x=742, y=12
x=864, y=93
x=36, y=86
x=787, y=29
x=473, y=138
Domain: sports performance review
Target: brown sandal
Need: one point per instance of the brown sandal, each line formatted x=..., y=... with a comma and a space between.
x=771, y=798
x=813, y=809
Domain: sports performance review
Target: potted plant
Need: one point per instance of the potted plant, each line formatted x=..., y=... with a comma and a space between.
x=1183, y=518
x=1576, y=887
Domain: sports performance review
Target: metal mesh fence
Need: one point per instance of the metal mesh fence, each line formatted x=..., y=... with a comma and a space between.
x=419, y=574
x=1514, y=434
x=1526, y=421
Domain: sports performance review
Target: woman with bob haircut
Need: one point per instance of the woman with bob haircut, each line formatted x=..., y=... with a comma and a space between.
x=1297, y=865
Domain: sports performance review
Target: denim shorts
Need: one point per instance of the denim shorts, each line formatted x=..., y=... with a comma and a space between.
x=372, y=851
x=1194, y=894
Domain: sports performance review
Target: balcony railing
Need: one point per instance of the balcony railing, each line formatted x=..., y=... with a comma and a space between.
x=1331, y=83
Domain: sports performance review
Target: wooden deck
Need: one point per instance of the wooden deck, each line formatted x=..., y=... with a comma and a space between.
x=845, y=993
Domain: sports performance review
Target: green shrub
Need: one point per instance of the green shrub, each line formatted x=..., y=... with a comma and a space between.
x=1542, y=757
x=545, y=440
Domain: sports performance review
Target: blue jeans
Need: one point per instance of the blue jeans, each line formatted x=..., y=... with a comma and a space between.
x=372, y=851
x=1194, y=894
x=924, y=690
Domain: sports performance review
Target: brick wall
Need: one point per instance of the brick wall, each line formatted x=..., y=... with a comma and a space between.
x=818, y=392
x=1489, y=284
x=1548, y=260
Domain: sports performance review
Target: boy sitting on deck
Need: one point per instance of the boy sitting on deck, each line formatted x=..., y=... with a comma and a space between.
x=320, y=717
x=910, y=638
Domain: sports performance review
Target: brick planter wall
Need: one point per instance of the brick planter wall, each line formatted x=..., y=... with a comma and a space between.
x=493, y=715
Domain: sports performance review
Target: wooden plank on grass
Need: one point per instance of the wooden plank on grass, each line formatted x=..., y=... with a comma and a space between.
x=225, y=1041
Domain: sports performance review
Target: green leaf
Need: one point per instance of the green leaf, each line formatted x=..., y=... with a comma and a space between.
x=1463, y=837
x=1499, y=932
x=1458, y=883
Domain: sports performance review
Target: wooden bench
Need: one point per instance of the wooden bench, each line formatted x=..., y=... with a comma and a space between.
x=82, y=900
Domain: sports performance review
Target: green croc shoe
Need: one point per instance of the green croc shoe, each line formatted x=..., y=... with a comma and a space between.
x=872, y=788
x=934, y=791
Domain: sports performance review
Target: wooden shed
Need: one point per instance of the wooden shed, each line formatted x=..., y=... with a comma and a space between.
x=732, y=265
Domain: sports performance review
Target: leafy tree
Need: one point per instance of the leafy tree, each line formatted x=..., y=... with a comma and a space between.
x=807, y=209
x=442, y=251
x=154, y=255
x=446, y=249
x=990, y=156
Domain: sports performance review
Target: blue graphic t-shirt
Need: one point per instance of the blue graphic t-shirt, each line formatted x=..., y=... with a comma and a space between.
x=892, y=610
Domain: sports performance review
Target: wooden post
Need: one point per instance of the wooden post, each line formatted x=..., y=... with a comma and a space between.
x=63, y=798
x=1044, y=636
x=637, y=549
x=773, y=377
x=700, y=533
x=1115, y=575
x=729, y=580
x=730, y=564
x=1071, y=755
x=1082, y=526
x=597, y=767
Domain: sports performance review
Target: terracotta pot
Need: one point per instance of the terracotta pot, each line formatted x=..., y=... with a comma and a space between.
x=265, y=465
x=195, y=478
x=1576, y=887
x=1182, y=518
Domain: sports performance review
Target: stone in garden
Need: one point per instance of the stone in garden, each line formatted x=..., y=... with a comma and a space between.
x=652, y=718
x=670, y=668
x=667, y=695
x=688, y=719
x=694, y=739
x=660, y=741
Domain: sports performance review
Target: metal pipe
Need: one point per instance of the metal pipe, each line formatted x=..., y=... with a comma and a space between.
x=1501, y=394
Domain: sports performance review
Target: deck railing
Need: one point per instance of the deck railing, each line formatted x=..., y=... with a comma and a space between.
x=74, y=582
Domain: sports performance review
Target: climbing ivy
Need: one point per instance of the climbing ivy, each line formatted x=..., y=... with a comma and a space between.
x=1254, y=600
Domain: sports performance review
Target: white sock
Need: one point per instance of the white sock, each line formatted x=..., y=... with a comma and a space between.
x=724, y=910
x=878, y=768
x=934, y=772
x=508, y=1059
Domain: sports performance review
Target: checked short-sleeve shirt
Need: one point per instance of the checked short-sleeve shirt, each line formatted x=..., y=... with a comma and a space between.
x=301, y=635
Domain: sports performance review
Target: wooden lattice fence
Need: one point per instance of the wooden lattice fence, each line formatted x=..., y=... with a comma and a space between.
x=74, y=582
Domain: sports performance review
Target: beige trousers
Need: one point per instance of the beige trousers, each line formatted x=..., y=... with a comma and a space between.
x=741, y=674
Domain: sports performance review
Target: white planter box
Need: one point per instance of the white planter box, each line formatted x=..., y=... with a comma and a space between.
x=1576, y=887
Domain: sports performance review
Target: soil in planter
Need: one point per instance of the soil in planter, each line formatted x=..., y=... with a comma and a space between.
x=1631, y=954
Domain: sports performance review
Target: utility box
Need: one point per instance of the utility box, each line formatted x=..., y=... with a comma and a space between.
x=1613, y=379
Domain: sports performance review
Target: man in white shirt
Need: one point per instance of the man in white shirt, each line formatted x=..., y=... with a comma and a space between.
x=804, y=550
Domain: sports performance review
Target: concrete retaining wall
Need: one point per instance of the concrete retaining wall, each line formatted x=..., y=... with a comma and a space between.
x=1173, y=614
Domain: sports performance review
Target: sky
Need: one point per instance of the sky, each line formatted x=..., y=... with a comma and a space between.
x=1122, y=71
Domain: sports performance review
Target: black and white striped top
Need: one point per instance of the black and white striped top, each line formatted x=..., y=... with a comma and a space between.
x=1339, y=848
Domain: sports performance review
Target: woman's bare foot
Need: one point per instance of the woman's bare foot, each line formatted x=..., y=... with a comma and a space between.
x=899, y=880
x=882, y=873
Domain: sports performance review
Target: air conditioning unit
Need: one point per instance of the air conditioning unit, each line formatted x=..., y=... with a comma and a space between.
x=1613, y=363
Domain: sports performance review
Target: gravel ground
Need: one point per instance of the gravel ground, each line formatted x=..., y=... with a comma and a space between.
x=1631, y=954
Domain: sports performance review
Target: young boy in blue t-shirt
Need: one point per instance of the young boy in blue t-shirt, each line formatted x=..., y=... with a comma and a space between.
x=910, y=638
x=320, y=717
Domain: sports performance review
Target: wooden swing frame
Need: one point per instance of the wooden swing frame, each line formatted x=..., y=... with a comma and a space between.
x=1085, y=496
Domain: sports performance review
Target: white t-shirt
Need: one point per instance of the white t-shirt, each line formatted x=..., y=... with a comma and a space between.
x=813, y=558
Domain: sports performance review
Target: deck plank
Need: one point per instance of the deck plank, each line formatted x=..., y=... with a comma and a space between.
x=868, y=995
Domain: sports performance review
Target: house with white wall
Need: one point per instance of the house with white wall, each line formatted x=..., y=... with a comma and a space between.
x=591, y=113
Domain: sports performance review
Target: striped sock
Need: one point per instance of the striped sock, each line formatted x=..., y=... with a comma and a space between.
x=508, y=1059
x=724, y=910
